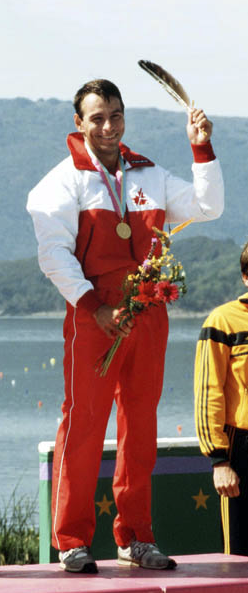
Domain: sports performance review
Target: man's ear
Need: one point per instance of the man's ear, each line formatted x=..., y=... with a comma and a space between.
x=78, y=123
x=245, y=279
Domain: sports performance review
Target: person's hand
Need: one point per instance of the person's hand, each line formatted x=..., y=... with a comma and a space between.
x=199, y=128
x=226, y=481
x=108, y=318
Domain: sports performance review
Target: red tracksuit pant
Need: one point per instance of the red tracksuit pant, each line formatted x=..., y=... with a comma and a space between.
x=134, y=379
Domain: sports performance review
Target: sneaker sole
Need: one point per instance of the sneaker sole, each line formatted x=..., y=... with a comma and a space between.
x=127, y=563
x=90, y=568
x=171, y=564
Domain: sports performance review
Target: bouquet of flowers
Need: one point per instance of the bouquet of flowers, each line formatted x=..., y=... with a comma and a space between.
x=158, y=280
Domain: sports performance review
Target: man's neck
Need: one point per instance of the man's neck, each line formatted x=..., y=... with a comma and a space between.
x=109, y=161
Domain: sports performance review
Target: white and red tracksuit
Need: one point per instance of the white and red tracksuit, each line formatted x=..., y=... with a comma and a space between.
x=80, y=251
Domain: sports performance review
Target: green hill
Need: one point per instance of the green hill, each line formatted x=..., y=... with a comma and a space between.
x=212, y=273
x=33, y=140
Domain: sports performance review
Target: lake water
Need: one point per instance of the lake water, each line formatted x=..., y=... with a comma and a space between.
x=31, y=393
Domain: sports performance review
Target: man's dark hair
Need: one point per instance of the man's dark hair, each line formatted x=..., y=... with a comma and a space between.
x=103, y=88
x=244, y=260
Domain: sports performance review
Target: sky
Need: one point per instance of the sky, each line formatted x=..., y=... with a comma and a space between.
x=50, y=48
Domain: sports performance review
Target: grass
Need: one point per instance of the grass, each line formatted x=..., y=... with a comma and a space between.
x=19, y=536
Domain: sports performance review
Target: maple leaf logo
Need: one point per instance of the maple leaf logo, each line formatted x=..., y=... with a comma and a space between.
x=140, y=199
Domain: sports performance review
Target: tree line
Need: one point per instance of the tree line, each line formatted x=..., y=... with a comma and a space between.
x=211, y=267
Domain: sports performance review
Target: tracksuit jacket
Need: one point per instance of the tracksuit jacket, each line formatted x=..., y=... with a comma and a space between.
x=221, y=409
x=80, y=251
x=221, y=377
x=74, y=216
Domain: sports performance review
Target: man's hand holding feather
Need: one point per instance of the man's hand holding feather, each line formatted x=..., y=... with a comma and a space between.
x=199, y=128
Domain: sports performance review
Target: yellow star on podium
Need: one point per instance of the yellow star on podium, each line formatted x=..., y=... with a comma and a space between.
x=201, y=499
x=104, y=505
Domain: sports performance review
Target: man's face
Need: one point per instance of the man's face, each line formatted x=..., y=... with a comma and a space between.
x=102, y=124
x=245, y=279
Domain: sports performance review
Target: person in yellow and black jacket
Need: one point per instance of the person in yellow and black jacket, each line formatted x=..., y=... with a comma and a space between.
x=221, y=410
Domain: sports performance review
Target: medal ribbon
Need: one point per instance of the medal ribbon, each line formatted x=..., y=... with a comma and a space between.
x=117, y=192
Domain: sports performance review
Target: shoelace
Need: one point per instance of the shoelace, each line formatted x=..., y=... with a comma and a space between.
x=73, y=550
x=139, y=548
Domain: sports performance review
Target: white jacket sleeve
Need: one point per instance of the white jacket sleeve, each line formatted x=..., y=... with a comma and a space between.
x=204, y=201
x=54, y=207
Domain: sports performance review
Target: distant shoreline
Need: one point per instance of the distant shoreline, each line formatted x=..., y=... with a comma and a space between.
x=174, y=313
x=183, y=314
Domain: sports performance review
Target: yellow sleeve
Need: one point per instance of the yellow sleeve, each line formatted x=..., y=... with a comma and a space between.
x=211, y=363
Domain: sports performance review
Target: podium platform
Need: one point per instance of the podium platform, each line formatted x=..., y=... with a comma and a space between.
x=204, y=573
x=182, y=488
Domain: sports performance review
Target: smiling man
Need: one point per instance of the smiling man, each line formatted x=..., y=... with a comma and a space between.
x=93, y=216
x=102, y=123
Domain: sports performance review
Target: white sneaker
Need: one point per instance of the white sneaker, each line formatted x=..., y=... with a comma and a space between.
x=145, y=555
x=78, y=560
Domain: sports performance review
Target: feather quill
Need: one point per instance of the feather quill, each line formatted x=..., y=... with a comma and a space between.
x=171, y=85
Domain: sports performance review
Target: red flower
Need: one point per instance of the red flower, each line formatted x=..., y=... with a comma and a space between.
x=146, y=288
x=166, y=292
x=146, y=293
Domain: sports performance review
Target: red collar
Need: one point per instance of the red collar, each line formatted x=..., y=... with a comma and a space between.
x=83, y=161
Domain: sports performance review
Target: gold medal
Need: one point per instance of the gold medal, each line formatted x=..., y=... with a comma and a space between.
x=123, y=230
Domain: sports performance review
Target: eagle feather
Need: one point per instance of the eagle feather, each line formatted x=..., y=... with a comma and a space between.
x=171, y=85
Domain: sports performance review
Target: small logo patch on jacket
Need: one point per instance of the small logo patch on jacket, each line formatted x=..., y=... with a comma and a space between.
x=140, y=199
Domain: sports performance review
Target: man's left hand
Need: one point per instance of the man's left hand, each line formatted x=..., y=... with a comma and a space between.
x=108, y=319
x=199, y=128
x=226, y=480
